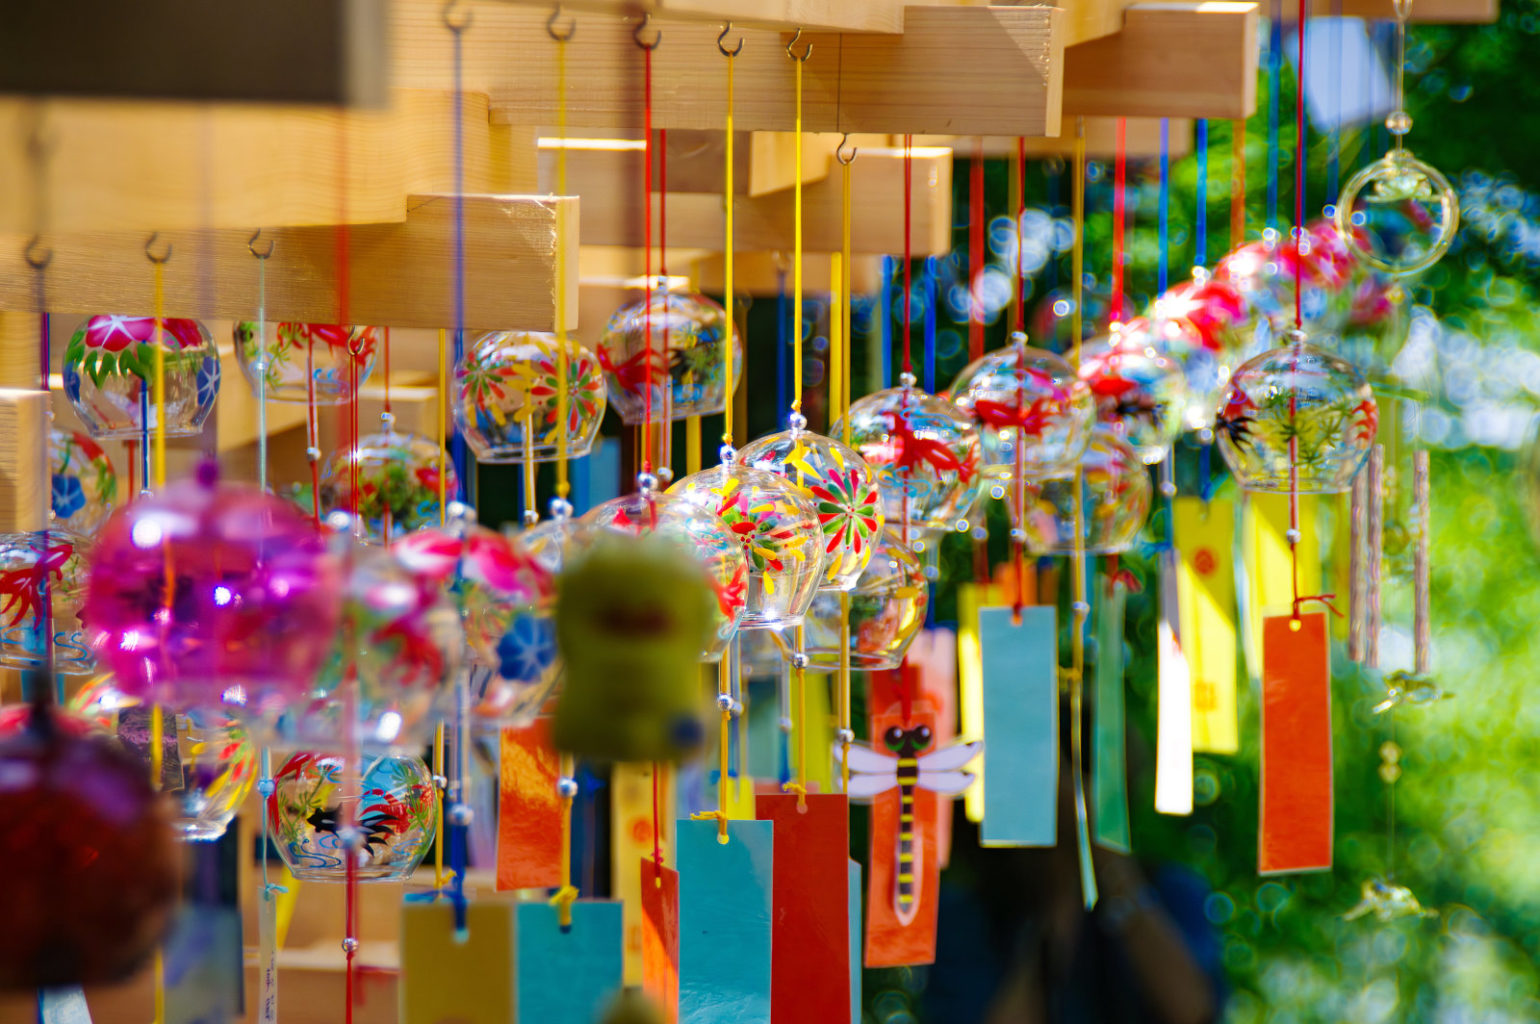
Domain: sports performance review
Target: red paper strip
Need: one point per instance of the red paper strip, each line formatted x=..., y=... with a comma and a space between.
x=894, y=939
x=660, y=937
x=1296, y=823
x=529, y=811
x=810, y=937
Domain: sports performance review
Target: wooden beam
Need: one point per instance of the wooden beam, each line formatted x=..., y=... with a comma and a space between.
x=114, y=166
x=812, y=15
x=613, y=217
x=1141, y=139
x=1184, y=58
x=399, y=274
x=277, y=51
x=966, y=70
x=763, y=162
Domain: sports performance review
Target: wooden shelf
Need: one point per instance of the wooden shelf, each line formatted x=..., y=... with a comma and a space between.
x=813, y=15
x=400, y=275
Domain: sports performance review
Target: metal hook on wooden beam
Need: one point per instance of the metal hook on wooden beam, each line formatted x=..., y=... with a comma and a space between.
x=791, y=53
x=149, y=249
x=722, y=42
x=641, y=26
x=550, y=26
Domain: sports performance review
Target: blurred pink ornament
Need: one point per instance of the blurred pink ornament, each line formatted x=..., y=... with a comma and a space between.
x=209, y=595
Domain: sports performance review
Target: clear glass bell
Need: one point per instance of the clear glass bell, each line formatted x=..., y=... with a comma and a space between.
x=1032, y=415
x=1398, y=214
x=887, y=610
x=1139, y=393
x=1115, y=494
x=507, y=396
x=397, y=479
x=688, y=354
x=109, y=376
x=292, y=360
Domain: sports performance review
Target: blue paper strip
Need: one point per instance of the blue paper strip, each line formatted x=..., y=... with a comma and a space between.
x=855, y=941
x=1021, y=727
x=724, y=922
x=62, y=1006
x=567, y=977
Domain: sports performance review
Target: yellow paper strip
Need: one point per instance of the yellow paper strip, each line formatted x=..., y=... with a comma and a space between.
x=970, y=684
x=631, y=828
x=1265, y=551
x=1205, y=536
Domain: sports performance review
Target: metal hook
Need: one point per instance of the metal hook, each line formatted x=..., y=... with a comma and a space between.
x=839, y=151
x=722, y=39
x=456, y=26
x=550, y=26
x=30, y=254
x=641, y=26
x=793, y=56
x=251, y=245
x=149, y=244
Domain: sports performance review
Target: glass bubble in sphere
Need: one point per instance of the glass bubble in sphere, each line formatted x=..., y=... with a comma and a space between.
x=83, y=483
x=391, y=800
x=32, y=564
x=489, y=579
x=398, y=483
x=1029, y=396
x=402, y=639
x=506, y=397
x=925, y=452
x=109, y=375
x=1115, y=494
x=208, y=762
x=1297, y=418
x=887, y=609
x=688, y=357
x=80, y=822
x=1204, y=371
x=209, y=594
x=1139, y=393
x=293, y=360
x=1398, y=214
x=778, y=530
x=699, y=533
x=841, y=486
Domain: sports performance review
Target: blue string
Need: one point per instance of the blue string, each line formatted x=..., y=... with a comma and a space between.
x=931, y=273
x=885, y=319
x=1275, y=80
x=1165, y=206
x=1200, y=226
x=782, y=317
x=1334, y=159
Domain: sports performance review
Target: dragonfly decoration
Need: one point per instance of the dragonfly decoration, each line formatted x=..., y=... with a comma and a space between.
x=905, y=766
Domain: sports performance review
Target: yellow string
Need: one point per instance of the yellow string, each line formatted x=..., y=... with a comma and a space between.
x=1081, y=606
x=727, y=272
x=443, y=391
x=157, y=718
x=566, y=893
x=563, y=487
x=796, y=256
x=845, y=294
x=799, y=723
x=440, y=879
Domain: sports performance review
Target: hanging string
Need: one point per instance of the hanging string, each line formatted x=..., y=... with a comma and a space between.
x=262, y=258
x=1164, y=268
x=1119, y=210
x=727, y=257
x=1081, y=608
x=1237, y=182
x=1021, y=211
x=647, y=284
x=1274, y=79
x=846, y=733
x=1334, y=155
x=796, y=231
x=665, y=428
x=312, y=431
x=1200, y=219
x=908, y=253
x=157, y=715
x=976, y=252
x=931, y=287
x=39, y=265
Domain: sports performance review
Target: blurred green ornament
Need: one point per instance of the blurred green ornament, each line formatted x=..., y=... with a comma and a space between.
x=632, y=617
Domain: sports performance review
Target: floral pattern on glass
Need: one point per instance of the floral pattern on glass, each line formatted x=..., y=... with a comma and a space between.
x=506, y=397
x=398, y=483
x=109, y=375
x=292, y=355
x=84, y=484
x=29, y=574
x=688, y=358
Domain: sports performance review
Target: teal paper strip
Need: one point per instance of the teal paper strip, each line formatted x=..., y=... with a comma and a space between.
x=567, y=977
x=724, y=922
x=855, y=941
x=1109, y=776
x=1021, y=727
x=62, y=1006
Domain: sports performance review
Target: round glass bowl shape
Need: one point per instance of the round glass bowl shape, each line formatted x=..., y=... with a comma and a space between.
x=506, y=402
x=1115, y=495
x=109, y=376
x=1019, y=395
x=297, y=362
x=687, y=354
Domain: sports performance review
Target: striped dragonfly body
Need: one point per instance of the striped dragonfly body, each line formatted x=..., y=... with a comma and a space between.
x=906, y=767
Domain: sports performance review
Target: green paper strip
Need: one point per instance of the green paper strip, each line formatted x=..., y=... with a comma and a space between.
x=1109, y=777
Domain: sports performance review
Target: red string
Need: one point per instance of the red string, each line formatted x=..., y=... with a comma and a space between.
x=133, y=463
x=976, y=252
x=312, y=429
x=1021, y=212
x=387, y=369
x=1019, y=483
x=908, y=245
x=665, y=441
x=647, y=257
x=1119, y=208
x=657, y=825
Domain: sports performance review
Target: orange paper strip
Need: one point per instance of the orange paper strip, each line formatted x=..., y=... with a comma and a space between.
x=529, y=817
x=810, y=917
x=1296, y=820
x=894, y=940
x=660, y=937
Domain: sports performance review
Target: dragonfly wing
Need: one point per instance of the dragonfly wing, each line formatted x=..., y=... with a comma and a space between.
x=945, y=783
x=951, y=757
x=864, y=787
